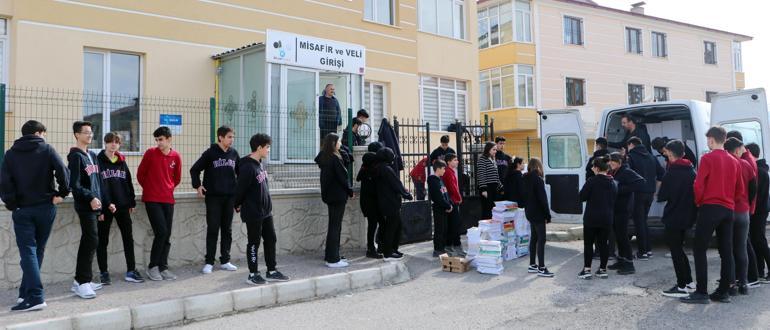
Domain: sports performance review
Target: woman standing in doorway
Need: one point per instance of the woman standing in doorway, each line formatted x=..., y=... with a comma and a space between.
x=335, y=191
x=488, y=179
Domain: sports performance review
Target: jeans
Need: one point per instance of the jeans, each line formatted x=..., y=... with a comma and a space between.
x=264, y=229
x=419, y=190
x=440, y=218
x=642, y=203
x=537, y=243
x=392, y=235
x=89, y=240
x=123, y=218
x=720, y=219
x=373, y=232
x=336, y=212
x=740, y=237
x=758, y=239
x=454, y=226
x=598, y=236
x=32, y=226
x=675, y=238
x=160, y=216
x=219, y=219
x=620, y=227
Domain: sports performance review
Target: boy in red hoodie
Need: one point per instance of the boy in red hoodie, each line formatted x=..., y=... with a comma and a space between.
x=454, y=222
x=742, y=214
x=717, y=186
x=160, y=171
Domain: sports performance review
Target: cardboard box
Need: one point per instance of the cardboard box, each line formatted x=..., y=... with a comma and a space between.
x=454, y=264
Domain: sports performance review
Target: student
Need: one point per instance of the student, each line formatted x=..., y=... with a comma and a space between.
x=357, y=140
x=442, y=150
x=676, y=190
x=362, y=115
x=159, y=172
x=753, y=276
x=758, y=221
x=390, y=191
x=454, y=221
x=252, y=200
x=335, y=191
x=368, y=200
x=629, y=182
x=502, y=160
x=514, y=181
x=600, y=193
x=27, y=188
x=487, y=179
x=717, y=186
x=659, y=144
x=90, y=201
x=120, y=187
x=742, y=213
x=417, y=174
x=219, y=164
x=441, y=207
x=538, y=214
x=643, y=163
x=600, y=149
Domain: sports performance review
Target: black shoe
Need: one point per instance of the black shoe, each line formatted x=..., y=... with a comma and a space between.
x=642, y=256
x=399, y=253
x=616, y=266
x=743, y=289
x=543, y=272
x=373, y=255
x=732, y=291
x=394, y=257
x=29, y=305
x=276, y=276
x=720, y=296
x=696, y=298
x=255, y=279
x=601, y=273
x=585, y=274
x=627, y=268
x=676, y=292
x=764, y=279
x=532, y=269
x=105, y=278
x=436, y=254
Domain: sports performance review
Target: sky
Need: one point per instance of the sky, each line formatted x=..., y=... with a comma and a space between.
x=747, y=17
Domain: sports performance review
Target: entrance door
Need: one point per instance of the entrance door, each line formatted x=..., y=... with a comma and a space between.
x=341, y=90
x=744, y=111
x=298, y=115
x=564, y=158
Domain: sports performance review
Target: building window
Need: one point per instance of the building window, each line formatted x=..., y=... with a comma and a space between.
x=374, y=102
x=111, y=98
x=737, y=57
x=659, y=46
x=709, y=96
x=633, y=40
x=525, y=78
x=635, y=94
x=573, y=30
x=380, y=11
x=523, y=21
x=661, y=94
x=442, y=101
x=4, y=44
x=561, y=151
x=502, y=88
x=710, y=52
x=496, y=24
x=576, y=92
x=443, y=17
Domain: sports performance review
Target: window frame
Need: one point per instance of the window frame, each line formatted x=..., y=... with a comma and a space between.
x=628, y=93
x=515, y=24
x=566, y=158
x=582, y=30
x=464, y=28
x=653, y=43
x=737, y=57
x=374, y=13
x=640, y=40
x=584, y=94
x=518, y=73
x=369, y=104
x=715, y=53
x=655, y=90
x=6, y=59
x=442, y=126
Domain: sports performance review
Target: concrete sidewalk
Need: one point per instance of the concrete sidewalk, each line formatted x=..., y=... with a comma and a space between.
x=123, y=295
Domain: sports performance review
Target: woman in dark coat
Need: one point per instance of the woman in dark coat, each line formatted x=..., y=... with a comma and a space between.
x=335, y=191
x=390, y=192
x=514, y=181
x=370, y=209
x=538, y=214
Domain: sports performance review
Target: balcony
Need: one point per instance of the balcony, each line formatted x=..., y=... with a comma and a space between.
x=513, y=119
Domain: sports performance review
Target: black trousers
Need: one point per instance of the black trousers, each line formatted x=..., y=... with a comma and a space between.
x=123, y=219
x=440, y=226
x=373, y=232
x=620, y=228
x=537, y=242
x=720, y=219
x=89, y=240
x=264, y=230
x=336, y=212
x=675, y=239
x=600, y=237
x=758, y=238
x=160, y=216
x=219, y=219
x=489, y=201
x=642, y=203
x=392, y=234
x=454, y=226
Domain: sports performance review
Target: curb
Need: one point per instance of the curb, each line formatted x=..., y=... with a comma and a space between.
x=572, y=234
x=212, y=305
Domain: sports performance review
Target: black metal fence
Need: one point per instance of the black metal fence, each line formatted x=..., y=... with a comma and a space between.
x=414, y=140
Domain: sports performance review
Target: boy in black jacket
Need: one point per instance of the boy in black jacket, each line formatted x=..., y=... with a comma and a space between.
x=368, y=200
x=599, y=193
x=600, y=149
x=758, y=221
x=641, y=161
x=441, y=207
x=678, y=215
x=90, y=201
x=219, y=165
x=629, y=182
x=117, y=183
x=390, y=191
x=252, y=200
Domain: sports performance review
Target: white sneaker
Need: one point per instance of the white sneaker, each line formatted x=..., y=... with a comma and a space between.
x=229, y=266
x=339, y=264
x=83, y=290
x=95, y=286
x=207, y=269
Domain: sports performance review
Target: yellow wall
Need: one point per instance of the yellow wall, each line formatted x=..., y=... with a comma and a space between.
x=740, y=80
x=511, y=53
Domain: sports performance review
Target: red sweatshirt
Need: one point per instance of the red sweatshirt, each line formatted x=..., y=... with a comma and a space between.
x=418, y=172
x=742, y=200
x=159, y=174
x=747, y=156
x=718, y=180
x=450, y=181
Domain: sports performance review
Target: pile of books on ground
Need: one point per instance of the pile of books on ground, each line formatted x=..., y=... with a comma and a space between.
x=512, y=216
x=490, y=257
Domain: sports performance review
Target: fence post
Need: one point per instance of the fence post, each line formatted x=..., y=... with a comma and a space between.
x=486, y=126
x=528, y=155
x=2, y=121
x=428, y=167
x=213, y=119
x=492, y=136
x=349, y=143
x=459, y=145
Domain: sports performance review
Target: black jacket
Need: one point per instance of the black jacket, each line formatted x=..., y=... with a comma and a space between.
x=640, y=132
x=357, y=139
x=366, y=176
x=28, y=172
x=645, y=164
x=329, y=112
x=677, y=191
x=219, y=169
x=763, y=185
x=439, y=153
x=514, y=188
x=600, y=193
x=438, y=194
x=390, y=190
x=387, y=136
x=590, y=165
x=252, y=194
x=537, y=209
x=334, y=179
x=502, y=161
x=85, y=180
x=117, y=181
x=628, y=183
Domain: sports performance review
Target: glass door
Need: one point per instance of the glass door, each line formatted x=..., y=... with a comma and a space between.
x=341, y=91
x=299, y=118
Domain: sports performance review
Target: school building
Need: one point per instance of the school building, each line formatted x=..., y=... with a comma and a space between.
x=557, y=54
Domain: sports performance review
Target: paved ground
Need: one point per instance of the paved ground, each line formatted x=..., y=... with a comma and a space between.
x=435, y=299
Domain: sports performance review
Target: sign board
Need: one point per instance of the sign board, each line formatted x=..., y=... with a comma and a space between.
x=316, y=53
x=173, y=122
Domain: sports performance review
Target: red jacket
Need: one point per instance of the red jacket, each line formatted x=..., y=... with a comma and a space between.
x=418, y=172
x=742, y=200
x=450, y=181
x=747, y=156
x=718, y=180
x=159, y=174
